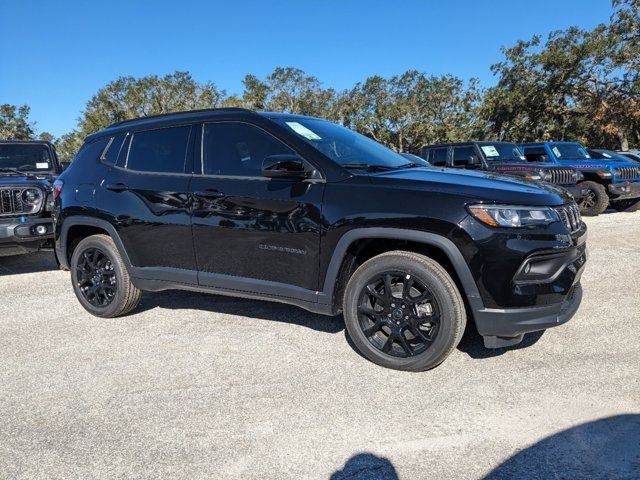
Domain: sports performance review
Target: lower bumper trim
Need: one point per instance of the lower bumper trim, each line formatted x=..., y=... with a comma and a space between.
x=514, y=322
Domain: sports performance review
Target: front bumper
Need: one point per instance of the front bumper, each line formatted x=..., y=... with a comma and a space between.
x=624, y=191
x=576, y=191
x=553, y=279
x=17, y=237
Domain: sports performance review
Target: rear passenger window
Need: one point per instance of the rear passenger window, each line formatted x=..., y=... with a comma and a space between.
x=110, y=154
x=163, y=150
x=238, y=149
x=438, y=157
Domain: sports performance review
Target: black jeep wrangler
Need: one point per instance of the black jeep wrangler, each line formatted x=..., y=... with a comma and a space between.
x=504, y=158
x=299, y=210
x=27, y=172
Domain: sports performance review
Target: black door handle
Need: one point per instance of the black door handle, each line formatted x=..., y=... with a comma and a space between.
x=117, y=187
x=210, y=194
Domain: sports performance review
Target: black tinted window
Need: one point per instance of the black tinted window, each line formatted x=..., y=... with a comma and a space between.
x=110, y=155
x=163, y=150
x=438, y=157
x=91, y=151
x=233, y=148
x=461, y=155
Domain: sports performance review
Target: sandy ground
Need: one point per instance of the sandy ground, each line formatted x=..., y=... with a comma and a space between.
x=195, y=386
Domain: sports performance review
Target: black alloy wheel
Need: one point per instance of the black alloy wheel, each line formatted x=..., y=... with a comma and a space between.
x=398, y=314
x=96, y=277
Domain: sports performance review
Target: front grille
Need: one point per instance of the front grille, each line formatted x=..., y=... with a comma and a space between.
x=570, y=216
x=11, y=202
x=563, y=176
x=628, y=173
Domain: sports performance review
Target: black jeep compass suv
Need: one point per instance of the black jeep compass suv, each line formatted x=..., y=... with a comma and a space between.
x=299, y=210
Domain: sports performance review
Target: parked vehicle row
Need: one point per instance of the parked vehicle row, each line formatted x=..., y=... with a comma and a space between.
x=597, y=179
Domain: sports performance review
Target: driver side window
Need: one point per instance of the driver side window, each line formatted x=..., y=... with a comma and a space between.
x=462, y=156
x=238, y=149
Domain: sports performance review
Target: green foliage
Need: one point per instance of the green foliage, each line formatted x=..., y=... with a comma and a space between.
x=578, y=84
x=14, y=122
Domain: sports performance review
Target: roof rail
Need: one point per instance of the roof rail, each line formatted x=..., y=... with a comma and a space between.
x=160, y=115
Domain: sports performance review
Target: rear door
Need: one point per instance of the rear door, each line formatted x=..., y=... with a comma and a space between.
x=146, y=197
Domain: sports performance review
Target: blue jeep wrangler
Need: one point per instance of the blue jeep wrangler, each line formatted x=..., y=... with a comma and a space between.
x=612, y=182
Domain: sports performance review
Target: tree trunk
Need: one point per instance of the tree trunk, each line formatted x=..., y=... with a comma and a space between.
x=624, y=141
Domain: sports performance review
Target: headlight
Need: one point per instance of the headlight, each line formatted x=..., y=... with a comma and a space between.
x=513, y=216
x=31, y=196
x=546, y=175
x=604, y=174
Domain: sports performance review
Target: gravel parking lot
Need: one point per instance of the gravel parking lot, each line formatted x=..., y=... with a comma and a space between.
x=197, y=386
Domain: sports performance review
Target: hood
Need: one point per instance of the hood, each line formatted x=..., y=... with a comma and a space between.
x=599, y=164
x=526, y=165
x=476, y=185
x=7, y=179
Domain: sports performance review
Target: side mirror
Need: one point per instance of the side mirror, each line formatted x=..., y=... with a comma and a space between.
x=284, y=166
x=64, y=165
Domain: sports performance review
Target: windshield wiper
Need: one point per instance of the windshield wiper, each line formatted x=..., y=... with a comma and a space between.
x=376, y=168
x=10, y=170
x=367, y=166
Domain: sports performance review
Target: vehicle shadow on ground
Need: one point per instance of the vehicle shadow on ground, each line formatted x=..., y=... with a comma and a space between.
x=272, y=311
x=366, y=466
x=606, y=448
x=472, y=344
x=43, y=261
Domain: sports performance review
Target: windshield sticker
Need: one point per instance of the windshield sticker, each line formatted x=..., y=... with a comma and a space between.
x=490, y=151
x=40, y=165
x=304, y=131
x=556, y=152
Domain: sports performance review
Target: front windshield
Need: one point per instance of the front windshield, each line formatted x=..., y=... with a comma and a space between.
x=343, y=146
x=25, y=158
x=495, y=152
x=570, y=151
x=607, y=155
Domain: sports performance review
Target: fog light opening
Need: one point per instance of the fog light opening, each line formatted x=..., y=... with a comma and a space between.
x=41, y=229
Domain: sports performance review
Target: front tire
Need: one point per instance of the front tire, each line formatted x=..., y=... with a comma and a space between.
x=100, y=279
x=595, y=201
x=402, y=310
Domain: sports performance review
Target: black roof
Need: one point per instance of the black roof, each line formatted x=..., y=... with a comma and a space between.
x=469, y=142
x=190, y=116
x=34, y=142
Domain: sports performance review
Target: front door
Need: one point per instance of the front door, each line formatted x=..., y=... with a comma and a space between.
x=247, y=228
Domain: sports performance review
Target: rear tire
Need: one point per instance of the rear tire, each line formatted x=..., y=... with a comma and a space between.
x=100, y=279
x=595, y=201
x=631, y=205
x=402, y=310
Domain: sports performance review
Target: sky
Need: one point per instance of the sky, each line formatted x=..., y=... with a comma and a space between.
x=55, y=55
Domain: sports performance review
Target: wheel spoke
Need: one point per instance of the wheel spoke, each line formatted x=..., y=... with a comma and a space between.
x=372, y=291
x=386, y=348
x=406, y=289
x=387, y=287
x=405, y=345
x=370, y=331
x=369, y=311
x=418, y=333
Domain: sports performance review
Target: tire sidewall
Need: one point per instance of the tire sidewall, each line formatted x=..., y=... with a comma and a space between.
x=601, y=199
x=107, y=248
x=446, y=338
